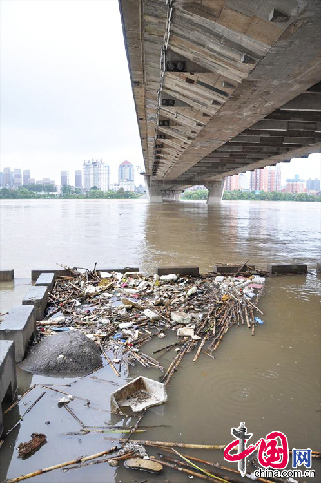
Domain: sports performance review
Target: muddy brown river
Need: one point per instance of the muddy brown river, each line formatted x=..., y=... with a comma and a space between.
x=270, y=381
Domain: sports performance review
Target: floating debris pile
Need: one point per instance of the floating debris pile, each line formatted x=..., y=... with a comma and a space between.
x=121, y=312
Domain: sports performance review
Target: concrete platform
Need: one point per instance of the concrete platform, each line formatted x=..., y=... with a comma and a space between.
x=35, y=274
x=288, y=269
x=121, y=270
x=194, y=271
x=18, y=326
x=8, y=376
x=37, y=296
x=46, y=280
x=227, y=269
x=6, y=275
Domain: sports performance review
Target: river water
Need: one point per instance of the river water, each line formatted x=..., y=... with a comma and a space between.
x=270, y=381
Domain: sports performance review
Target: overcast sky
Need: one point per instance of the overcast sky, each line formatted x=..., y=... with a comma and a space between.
x=65, y=90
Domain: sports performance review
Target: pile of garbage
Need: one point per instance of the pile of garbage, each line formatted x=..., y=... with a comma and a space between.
x=122, y=312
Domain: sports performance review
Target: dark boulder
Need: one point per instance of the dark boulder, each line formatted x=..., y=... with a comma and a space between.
x=67, y=352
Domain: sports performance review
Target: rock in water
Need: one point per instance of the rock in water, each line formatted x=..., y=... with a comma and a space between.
x=142, y=464
x=66, y=352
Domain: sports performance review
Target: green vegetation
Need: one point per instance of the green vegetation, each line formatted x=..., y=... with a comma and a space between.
x=43, y=191
x=250, y=195
x=269, y=196
x=195, y=195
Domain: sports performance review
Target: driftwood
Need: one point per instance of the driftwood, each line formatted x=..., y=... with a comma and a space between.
x=189, y=472
x=81, y=459
x=167, y=444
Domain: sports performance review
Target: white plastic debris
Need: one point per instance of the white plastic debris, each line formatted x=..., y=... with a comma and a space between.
x=171, y=277
x=151, y=315
x=125, y=325
x=181, y=318
x=185, y=332
x=141, y=393
x=258, y=280
x=219, y=279
x=60, y=357
x=61, y=318
x=63, y=401
x=191, y=291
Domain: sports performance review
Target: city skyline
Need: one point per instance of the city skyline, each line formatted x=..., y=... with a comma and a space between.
x=305, y=167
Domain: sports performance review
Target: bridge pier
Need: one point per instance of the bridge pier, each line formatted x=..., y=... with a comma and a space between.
x=215, y=192
x=157, y=193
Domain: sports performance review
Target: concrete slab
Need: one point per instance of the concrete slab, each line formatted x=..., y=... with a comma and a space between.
x=226, y=269
x=194, y=271
x=46, y=280
x=121, y=270
x=6, y=275
x=288, y=269
x=57, y=271
x=8, y=376
x=18, y=326
x=37, y=296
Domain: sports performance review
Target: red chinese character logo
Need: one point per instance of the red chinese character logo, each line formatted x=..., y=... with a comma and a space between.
x=271, y=454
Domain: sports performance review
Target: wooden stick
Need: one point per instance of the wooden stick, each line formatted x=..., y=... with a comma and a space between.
x=110, y=362
x=176, y=445
x=62, y=465
x=200, y=469
x=216, y=465
x=185, y=470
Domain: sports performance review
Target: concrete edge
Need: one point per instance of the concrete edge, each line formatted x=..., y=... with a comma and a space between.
x=6, y=275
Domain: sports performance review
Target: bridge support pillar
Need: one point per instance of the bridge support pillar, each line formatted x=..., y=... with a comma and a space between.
x=157, y=193
x=215, y=191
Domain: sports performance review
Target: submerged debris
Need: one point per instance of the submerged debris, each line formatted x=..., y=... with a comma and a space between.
x=30, y=447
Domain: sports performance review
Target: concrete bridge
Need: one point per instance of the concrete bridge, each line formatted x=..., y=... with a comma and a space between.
x=222, y=86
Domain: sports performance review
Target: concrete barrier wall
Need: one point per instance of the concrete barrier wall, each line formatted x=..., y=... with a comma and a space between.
x=287, y=269
x=8, y=377
x=37, y=296
x=6, y=275
x=19, y=325
x=194, y=271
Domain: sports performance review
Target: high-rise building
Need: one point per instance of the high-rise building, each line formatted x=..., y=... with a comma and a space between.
x=126, y=176
x=313, y=184
x=64, y=178
x=96, y=174
x=26, y=176
x=17, y=178
x=295, y=185
x=78, y=178
x=236, y=182
x=266, y=179
x=1, y=179
x=7, y=178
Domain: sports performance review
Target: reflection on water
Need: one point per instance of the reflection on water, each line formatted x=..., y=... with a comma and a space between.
x=270, y=381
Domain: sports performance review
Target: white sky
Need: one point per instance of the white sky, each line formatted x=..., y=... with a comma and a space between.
x=65, y=90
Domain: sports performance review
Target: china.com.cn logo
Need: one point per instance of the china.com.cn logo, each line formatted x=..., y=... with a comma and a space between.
x=272, y=451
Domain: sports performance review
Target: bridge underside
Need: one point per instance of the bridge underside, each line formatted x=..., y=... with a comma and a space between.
x=223, y=86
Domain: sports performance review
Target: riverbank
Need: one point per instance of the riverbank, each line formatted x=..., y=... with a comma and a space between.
x=250, y=195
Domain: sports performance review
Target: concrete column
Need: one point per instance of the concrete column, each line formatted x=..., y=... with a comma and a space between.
x=171, y=195
x=215, y=192
x=154, y=194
